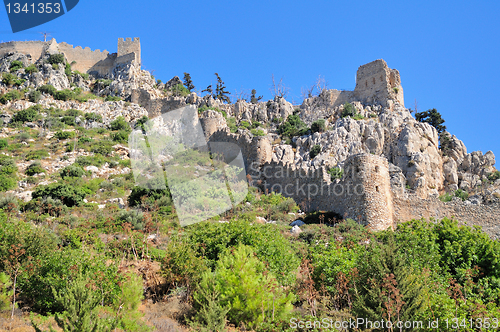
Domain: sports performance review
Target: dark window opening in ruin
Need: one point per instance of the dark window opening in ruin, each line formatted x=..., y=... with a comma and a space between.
x=381, y=79
x=366, y=83
x=358, y=169
x=376, y=169
x=374, y=80
x=376, y=188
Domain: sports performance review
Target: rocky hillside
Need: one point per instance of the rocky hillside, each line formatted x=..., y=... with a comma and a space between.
x=73, y=219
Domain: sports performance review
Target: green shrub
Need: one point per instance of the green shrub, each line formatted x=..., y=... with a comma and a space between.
x=257, y=132
x=318, y=126
x=134, y=217
x=180, y=90
x=8, y=79
x=93, y=117
x=315, y=150
x=34, y=168
x=120, y=124
x=63, y=95
x=73, y=113
x=335, y=173
x=69, y=195
x=151, y=195
x=56, y=59
x=28, y=115
x=245, y=124
x=15, y=65
x=293, y=126
x=349, y=110
x=55, y=271
x=494, y=176
x=69, y=120
x=48, y=89
x=34, y=96
x=8, y=170
x=72, y=171
x=250, y=292
x=97, y=160
x=36, y=154
x=84, y=140
x=12, y=95
x=64, y=135
x=463, y=195
x=120, y=136
x=3, y=143
x=446, y=197
x=271, y=246
x=31, y=69
x=231, y=123
x=102, y=147
x=112, y=98
x=19, y=82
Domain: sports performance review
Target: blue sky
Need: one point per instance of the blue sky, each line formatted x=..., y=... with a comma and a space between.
x=446, y=52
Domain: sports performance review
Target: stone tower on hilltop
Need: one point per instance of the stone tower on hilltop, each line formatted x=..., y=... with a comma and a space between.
x=129, y=46
x=376, y=83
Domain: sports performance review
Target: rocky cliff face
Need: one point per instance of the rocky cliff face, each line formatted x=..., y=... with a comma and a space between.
x=387, y=129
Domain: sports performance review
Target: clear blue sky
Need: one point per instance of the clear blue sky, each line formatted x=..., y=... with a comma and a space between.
x=446, y=52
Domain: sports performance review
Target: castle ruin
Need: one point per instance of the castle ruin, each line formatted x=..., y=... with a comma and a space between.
x=82, y=59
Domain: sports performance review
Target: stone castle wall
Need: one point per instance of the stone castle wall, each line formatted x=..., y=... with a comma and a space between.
x=412, y=207
x=85, y=60
x=376, y=84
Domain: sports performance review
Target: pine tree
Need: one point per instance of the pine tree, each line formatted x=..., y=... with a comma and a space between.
x=209, y=90
x=188, y=83
x=253, y=98
x=220, y=90
x=81, y=305
x=389, y=287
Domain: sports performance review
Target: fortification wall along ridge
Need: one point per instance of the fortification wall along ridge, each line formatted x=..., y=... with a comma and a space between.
x=85, y=60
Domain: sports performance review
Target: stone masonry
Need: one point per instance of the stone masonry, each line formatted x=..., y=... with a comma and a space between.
x=84, y=59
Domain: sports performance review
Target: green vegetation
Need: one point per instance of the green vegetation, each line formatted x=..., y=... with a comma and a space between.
x=253, y=97
x=34, y=168
x=293, y=126
x=318, y=126
x=15, y=66
x=120, y=124
x=31, y=69
x=335, y=173
x=64, y=135
x=34, y=96
x=315, y=150
x=72, y=171
x=494, y=176
x=69, y=195
x=112, y=98
x=56, y=59
x=220, y=90
x=3, y=143
x=12, y=95
x=8, y=170
x=179, y=90
x=188, y=83
x=463, y=195
x=8, y=79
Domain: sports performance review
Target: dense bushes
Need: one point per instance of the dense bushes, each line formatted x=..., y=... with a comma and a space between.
x=34, y=168
x=28, y=115
x=120, y=124
x=8, y=169
x=315, y=150
x=68, y=194
x=72, y=171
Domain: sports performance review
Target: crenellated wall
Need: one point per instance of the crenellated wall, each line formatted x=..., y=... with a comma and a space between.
x=84, y=60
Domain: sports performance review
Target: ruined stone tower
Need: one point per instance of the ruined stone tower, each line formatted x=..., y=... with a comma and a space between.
x=371, y=204
x=376, y=83
x=128, y=46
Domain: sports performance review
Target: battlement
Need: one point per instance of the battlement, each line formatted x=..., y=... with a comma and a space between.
x=84, y=59
x=130, y=46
